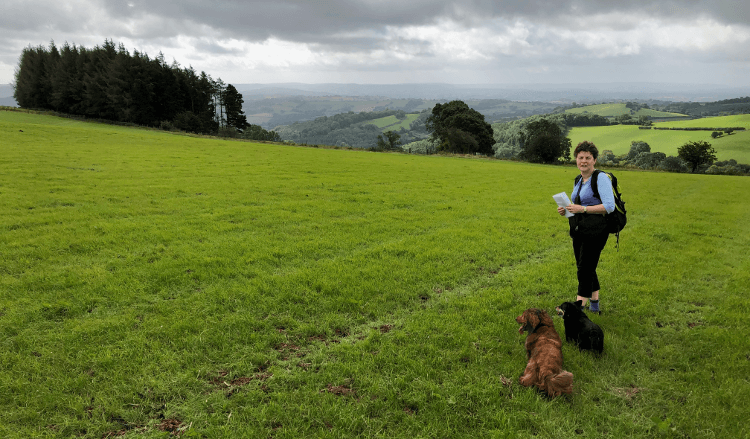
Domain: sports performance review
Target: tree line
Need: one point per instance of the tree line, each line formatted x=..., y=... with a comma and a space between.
x=521, y=139
x=693, y=156
x=108, y=82
x=704, y=109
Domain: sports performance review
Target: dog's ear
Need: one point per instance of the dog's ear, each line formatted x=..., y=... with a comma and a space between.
x=579, y=302
x=532, y=318
x=544, y=318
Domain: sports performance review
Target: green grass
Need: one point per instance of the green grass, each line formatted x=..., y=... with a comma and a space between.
x=392, y=123
x=618, y=137
x=617, y=109
x=657, y=114
x=738, y=120
x=248, y=290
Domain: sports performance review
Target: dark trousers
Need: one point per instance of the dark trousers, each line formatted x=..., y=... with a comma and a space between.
x=587, y=250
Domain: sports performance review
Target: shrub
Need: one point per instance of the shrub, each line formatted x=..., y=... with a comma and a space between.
x=228, y=132
x=506, y=151
x=649, y=160
x=673, y=164
x=167, y=126
x=637, y=147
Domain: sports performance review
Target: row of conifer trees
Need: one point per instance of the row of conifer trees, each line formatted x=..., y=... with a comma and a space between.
x=108, y=82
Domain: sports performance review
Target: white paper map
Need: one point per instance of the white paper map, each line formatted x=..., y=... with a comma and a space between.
x=562, y=200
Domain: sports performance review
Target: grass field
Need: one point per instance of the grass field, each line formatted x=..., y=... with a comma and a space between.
x=617, y=109
x=618, y=137
x=153, y=284
x=392, y=123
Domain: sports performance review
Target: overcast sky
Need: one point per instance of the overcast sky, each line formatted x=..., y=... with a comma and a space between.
x=405, y=41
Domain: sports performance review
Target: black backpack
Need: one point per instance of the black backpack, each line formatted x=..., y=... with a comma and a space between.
x=617, y=219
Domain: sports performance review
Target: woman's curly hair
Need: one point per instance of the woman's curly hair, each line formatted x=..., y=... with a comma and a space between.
x=588, y=147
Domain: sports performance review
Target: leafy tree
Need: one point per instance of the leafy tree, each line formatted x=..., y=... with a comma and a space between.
x=697, y=154
x=388, y=140
x=459, y=141
x=544, y=142
x=673, y=164
x=233, y=107
x=649, y=160
x=637, y=147
x=715, y=134
x=567, y=146
x=460, y=129
x=624, y=119
x=256, y=132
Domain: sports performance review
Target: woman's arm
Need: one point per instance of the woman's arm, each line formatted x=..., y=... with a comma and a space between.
x=577, y=208
x=606, y=193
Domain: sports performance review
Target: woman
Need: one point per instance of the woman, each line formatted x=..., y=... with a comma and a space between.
x=588, y=226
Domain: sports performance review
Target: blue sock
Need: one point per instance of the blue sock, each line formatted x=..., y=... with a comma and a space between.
x=594, y=306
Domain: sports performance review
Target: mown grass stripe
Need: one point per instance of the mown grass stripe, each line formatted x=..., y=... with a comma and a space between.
x=343, y=293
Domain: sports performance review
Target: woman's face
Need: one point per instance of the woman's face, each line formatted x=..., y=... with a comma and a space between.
x=585, y=162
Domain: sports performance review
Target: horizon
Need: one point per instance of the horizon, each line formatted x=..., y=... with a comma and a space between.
x=542, y=92
x=394, y=42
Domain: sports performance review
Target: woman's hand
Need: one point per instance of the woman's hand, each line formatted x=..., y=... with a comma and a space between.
x=575, y=208
x=561, y=210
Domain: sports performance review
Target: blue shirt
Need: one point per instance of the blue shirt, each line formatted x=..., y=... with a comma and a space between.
x=587, y=193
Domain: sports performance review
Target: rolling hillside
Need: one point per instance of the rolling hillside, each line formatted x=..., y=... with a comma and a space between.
x=618, y=137
x=392, y=123
x=158, y=285
x=271, y=111
x=618, y=109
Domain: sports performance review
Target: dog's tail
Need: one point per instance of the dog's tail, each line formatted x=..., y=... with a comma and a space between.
x=560, y=383
x=597, y=342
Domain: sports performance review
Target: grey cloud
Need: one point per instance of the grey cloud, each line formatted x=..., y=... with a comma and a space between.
x=353, y=29
x=328, y=23
x=310, y=21
x=214, y=48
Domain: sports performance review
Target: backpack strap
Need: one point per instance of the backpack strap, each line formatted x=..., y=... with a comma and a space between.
x=595, y=189
x=594, y=183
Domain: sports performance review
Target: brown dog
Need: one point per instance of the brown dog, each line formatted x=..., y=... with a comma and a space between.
x=544, y=353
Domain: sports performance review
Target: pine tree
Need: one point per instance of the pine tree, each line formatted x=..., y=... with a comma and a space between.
x=233, y=108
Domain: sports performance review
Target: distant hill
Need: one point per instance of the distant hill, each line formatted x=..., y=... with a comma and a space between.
x=273, y=111
x=357, y=130
x=272, y=105
x=357, y=122
x=618, y=109
x=5, y=90
x=8, y=102
x=618, y=138
x=560, y=93
x=6, y=96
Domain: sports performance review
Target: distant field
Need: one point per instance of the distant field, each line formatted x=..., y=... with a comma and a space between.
x=617, y=109
x=157, y=285
x=618, y=137
x=392, y=123
x=739, y=120
x=261, y=112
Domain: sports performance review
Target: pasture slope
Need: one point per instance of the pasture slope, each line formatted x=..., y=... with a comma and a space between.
x=618, y=109
x=392, y=123
x=155, y=285
x=618, y=137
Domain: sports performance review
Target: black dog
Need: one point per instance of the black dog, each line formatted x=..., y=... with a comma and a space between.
x=579, y=329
